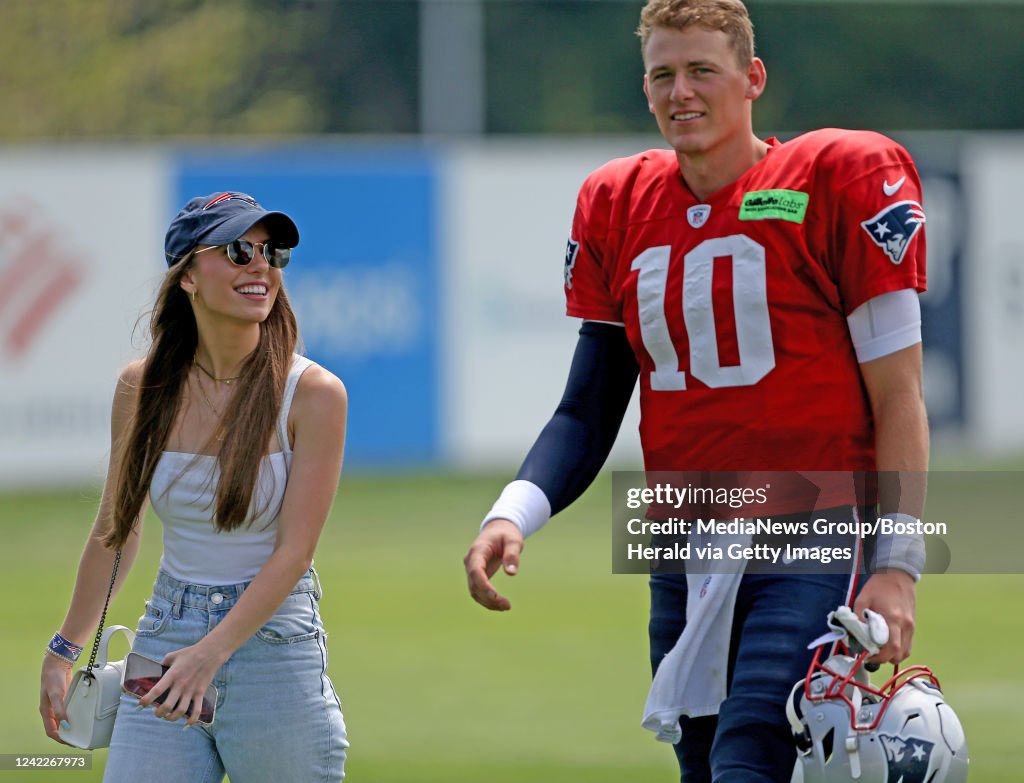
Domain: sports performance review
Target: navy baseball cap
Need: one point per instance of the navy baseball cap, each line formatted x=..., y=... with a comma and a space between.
x=221, y=218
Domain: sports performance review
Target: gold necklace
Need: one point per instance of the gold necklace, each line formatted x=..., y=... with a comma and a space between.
x=220, y=416
x=213, y=377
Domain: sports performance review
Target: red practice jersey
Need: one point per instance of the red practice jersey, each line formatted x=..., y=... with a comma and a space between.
x=736, y=305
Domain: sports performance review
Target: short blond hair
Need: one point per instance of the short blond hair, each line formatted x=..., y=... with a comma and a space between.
x=728, y=16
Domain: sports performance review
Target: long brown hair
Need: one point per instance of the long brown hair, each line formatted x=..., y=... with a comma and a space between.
x=248, y=421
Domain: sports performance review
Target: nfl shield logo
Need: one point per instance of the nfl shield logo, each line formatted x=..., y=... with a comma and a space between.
x=698, y=215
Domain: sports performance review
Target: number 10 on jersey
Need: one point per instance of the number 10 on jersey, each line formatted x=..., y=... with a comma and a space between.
x=750, y=307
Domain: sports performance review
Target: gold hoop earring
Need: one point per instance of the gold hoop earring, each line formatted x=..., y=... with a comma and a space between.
x=193, y=296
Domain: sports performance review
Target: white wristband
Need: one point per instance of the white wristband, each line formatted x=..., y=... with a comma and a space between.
x=524, y=504
x=905, y=551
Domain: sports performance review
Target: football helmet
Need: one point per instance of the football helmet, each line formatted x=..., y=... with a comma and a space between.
x=846, y=729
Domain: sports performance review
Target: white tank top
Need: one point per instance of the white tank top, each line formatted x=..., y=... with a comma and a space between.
x=183, y=492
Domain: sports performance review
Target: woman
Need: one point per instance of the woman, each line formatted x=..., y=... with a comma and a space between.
x=237, y=442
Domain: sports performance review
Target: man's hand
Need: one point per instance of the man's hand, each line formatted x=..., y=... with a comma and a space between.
x=892, y=593
x=499, y=544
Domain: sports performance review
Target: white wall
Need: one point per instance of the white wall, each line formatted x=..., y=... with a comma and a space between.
x=80, y=250
x=993, y=170
x=509, y=343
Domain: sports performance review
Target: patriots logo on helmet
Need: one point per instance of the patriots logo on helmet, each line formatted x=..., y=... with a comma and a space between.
x=907, y=758
x=894, y=227
x=571, y=251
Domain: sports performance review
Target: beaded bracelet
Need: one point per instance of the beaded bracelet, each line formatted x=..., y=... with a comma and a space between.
x=62, y=648
x=58, y=655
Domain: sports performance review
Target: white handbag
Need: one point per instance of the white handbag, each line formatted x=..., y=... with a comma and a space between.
x=95, y=691
x=92, y=699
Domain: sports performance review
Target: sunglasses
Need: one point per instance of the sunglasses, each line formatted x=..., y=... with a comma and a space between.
x=242, y=251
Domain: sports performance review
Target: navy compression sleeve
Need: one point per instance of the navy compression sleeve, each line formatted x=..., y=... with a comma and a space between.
x=573, y=446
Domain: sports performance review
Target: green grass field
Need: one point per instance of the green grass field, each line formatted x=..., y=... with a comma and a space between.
x=434, y=688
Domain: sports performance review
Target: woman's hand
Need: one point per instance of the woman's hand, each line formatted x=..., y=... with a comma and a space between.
x=54, y=682
x=190, y=674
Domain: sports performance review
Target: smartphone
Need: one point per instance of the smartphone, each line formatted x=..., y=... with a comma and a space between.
x=142, y=673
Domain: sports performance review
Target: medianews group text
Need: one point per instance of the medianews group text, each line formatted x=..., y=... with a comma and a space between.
x=881, y=526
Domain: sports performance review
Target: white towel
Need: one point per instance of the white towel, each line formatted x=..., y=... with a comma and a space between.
x=691, y=679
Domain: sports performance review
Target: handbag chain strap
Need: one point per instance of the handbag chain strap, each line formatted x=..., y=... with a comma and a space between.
x=103, y=617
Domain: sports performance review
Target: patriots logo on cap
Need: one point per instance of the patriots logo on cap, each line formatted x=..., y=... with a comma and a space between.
x=571, y=251
x=229, y=197
x=907, y=758
x=894, y=227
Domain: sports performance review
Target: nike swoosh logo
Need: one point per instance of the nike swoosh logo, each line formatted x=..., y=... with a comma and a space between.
x=890, y=190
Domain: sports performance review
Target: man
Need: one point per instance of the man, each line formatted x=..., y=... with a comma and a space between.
x=765, y=294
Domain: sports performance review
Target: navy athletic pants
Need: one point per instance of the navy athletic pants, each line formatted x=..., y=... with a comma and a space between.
x=776, y=616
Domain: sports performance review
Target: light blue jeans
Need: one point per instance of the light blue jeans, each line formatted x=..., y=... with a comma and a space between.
x=278, y=717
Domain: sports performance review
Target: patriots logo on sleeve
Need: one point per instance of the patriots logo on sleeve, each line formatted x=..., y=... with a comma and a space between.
x=907, y=759
x=894, y=227
x=571, y=251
